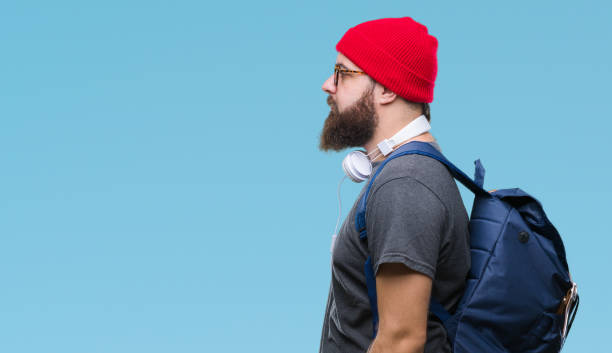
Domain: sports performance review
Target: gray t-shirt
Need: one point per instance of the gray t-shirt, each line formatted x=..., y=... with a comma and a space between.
x=415, y=216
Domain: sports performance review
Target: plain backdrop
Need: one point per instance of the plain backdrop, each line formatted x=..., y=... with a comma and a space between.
x=161, y=184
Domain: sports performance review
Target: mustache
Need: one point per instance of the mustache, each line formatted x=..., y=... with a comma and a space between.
x=331, y=102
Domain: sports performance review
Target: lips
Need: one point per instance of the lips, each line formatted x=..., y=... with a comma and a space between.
x=330, y=102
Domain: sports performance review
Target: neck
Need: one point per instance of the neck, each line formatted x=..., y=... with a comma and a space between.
x=385, y=131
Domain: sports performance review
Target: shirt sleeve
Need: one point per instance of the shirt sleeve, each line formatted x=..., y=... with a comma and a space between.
x=405, y=224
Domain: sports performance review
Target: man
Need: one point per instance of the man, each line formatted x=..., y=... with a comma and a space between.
x=417, y=224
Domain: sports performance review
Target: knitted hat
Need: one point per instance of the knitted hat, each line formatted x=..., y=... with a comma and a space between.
x=396, y=52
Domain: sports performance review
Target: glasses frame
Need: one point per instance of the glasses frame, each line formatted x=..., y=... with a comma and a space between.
x=338, y=69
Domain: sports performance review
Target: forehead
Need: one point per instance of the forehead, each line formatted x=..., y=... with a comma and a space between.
x=344, y=61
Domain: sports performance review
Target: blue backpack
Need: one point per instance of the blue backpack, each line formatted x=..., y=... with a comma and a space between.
x=519, y=296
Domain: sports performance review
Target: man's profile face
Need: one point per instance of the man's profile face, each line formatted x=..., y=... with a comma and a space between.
x=352, y=119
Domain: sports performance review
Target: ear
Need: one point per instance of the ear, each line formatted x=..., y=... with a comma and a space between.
x=384, y=95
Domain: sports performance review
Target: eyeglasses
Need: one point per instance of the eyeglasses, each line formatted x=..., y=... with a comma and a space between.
x=338, y=69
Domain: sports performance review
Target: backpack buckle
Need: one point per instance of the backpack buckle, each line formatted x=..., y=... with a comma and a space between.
x=566, y=306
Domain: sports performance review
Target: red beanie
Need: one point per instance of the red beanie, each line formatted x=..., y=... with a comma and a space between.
x=396, y=52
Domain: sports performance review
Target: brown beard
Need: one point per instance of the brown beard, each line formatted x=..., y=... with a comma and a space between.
x=353, y=127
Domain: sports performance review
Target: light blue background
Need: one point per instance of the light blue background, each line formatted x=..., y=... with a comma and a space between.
x=162, y=190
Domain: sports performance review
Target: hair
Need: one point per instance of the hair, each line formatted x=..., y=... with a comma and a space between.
x=426, y=111
x=422, y=106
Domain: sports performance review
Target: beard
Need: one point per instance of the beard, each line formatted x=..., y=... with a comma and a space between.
x=353, y=127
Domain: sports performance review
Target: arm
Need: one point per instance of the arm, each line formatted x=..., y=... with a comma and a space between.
x=406, y=221
x=403, y=304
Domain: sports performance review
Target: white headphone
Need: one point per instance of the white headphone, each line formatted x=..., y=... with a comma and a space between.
x=358, y=165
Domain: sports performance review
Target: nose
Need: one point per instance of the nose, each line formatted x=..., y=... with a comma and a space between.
x=328, y=86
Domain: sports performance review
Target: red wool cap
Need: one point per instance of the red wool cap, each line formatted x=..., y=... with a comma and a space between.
x=396, y=52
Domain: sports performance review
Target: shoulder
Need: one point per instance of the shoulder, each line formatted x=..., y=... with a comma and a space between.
x=405, y=195
x=423, y=170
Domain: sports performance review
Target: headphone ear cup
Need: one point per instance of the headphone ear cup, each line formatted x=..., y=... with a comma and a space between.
x=357, y=166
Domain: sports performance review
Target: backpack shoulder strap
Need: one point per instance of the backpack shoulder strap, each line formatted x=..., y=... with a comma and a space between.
x=424, y=149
